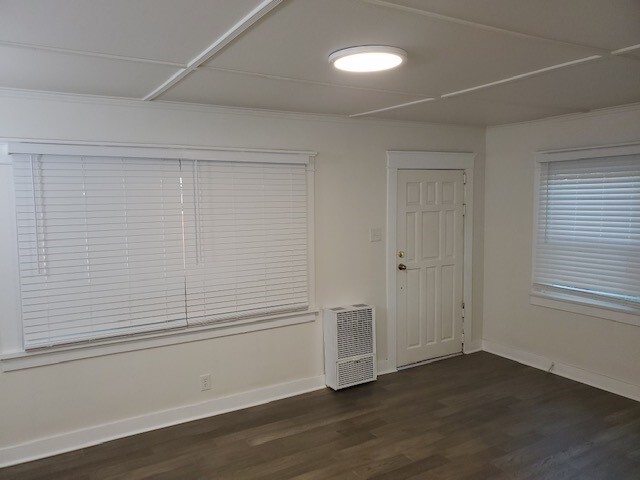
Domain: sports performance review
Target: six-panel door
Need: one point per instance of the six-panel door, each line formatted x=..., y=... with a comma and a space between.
x=430, y=245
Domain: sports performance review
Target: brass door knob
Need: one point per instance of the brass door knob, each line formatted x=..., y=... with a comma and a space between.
x=402, y=266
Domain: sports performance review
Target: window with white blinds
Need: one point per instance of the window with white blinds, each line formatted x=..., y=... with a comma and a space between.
x=112, y=246
x=246, y=240
x=588, y=234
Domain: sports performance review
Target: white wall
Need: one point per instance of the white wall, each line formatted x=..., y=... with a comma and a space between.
x=588, y=347
x=350, y=198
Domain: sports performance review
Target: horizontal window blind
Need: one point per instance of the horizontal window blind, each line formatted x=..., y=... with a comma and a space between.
x=246, y=240
x=588, y=236
x=100, y=247
x=120, y=246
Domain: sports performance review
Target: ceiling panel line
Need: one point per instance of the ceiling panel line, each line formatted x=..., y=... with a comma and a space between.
x=481, y=26
x=393, y=107
x=523, y=75
x=310, y=82
x=627, y=52
x=624, y=50
x=223, y=41
x=85, y=53
x=486, y=85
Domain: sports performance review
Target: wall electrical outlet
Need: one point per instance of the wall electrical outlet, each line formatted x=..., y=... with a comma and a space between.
x=205, y=382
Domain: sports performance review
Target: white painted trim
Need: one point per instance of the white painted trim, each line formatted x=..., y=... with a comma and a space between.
x=244, y=24
x=472, y=347
x=415, y=160
x=597, y=151
x=585, y=306
x=521, y=76
x=430, y=360
x=383, y=369
x=594, y=379
x=624, y=50
x=97, y=434
x=169, y=152
x=477, y=25
x=86, y=53
x=392, y=107
x=21, y=360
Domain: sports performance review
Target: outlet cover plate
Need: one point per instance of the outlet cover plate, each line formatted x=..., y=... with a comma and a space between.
x=205, y=382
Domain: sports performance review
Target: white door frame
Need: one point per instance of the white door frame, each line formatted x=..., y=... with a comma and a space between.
x=397, y=160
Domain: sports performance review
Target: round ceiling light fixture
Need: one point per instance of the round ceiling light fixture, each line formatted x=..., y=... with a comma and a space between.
x=367, y=58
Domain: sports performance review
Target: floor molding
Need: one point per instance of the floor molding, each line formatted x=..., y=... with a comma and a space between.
x=472, y=347
x=430, y=360
x=87, y=437
x=603, y=382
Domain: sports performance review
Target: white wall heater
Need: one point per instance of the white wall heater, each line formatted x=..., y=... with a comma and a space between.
x=349, y=345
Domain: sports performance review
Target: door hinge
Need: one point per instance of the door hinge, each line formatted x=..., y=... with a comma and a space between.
x=462, y=309
x=464, y=209
x=464, y=178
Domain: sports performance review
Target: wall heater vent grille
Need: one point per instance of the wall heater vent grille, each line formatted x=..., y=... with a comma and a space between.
x=352, y=372
x=355, y=333
x=350, y=345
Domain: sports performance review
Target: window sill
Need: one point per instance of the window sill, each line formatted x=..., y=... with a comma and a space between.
x=38, y=358
x=591, y=308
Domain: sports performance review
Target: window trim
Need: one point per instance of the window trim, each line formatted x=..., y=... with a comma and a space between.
x=50, y=356
x=568, y=302
x=12, y=353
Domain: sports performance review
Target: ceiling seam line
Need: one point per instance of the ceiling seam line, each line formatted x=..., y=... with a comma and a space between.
x=521, y=76
x=503, y=81
x=85, y=53
x=482, y=26
x=221, y=42
x=626, y=50
x=393, y=107
x=310, y=82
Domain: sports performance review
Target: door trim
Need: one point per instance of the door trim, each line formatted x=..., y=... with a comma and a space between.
x=397, y=160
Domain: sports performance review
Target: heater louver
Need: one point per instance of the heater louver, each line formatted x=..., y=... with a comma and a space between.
x=350, y=345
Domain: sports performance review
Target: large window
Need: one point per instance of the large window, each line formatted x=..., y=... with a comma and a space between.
x=115, y=246
x=588, y=228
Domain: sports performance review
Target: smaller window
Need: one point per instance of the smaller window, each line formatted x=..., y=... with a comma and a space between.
x=587, y=245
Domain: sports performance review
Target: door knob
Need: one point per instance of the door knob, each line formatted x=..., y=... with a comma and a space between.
x=402, y=266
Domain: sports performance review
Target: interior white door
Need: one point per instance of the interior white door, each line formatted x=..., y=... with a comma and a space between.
x=429, y=264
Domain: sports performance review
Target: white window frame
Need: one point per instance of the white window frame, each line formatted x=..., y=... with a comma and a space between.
x=567, y=302
x=12, y=353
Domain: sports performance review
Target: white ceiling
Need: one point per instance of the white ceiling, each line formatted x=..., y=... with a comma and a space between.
x=541, y=58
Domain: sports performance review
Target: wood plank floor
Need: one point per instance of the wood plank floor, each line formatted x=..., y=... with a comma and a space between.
x=473, y=417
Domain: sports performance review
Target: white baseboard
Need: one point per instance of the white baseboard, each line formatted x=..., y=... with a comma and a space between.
x=384, y=367
x=472, y=347
x=387, y=370
x=87, y=437
x=603, y=382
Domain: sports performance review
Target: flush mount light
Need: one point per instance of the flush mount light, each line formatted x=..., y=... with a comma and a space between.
x=368, y=58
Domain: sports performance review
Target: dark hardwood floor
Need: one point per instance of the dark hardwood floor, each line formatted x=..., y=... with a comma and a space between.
x=473, y=417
